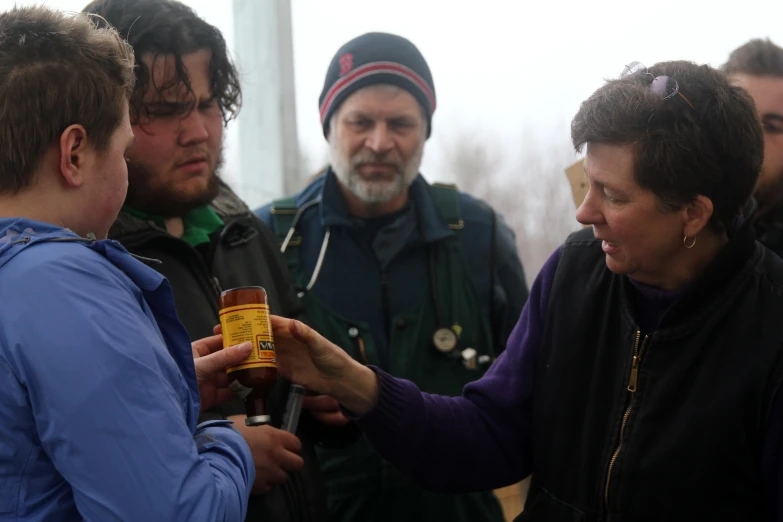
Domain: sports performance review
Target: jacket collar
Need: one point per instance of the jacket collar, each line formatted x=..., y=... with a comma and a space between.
x=431, y=225
x=714, y=287
x=226, y=205
x=16, y=234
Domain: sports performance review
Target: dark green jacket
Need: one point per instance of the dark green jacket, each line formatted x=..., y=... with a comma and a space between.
x=374, y=297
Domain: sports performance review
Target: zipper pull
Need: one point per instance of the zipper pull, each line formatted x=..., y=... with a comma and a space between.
x=216, y=282
x=634, y=374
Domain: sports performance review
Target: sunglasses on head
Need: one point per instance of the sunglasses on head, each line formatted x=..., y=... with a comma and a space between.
x=664, y=86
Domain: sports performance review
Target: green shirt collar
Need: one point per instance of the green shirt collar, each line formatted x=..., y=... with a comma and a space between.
x=199, y=223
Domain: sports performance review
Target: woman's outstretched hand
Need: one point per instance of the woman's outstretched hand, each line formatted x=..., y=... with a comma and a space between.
x=308, y=359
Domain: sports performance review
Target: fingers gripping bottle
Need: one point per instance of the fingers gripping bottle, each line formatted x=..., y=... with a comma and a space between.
x=244, y=316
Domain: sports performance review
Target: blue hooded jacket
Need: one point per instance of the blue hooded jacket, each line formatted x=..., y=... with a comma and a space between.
x=98, y=394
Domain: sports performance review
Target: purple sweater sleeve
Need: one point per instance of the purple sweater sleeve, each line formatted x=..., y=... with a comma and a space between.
x=480, y=440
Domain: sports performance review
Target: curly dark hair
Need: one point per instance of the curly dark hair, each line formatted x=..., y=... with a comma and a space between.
x=168, y=27
x=757, y=57
x=714, y=149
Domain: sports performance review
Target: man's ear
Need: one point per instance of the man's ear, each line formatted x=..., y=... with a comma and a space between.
x=74, y=150
x=696, y=215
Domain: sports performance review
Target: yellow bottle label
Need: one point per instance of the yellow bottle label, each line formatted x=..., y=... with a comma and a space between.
x=249, y=323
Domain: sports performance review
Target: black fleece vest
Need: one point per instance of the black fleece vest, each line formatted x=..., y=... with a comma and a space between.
x=686, y=443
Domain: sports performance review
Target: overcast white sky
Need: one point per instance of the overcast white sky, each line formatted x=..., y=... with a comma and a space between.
x=507, y=67
x=504, y=68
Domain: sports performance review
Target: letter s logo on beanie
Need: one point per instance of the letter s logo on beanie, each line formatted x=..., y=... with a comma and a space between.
x=346, y=63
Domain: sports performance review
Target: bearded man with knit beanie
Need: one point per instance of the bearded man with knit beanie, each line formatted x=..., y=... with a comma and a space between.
x=416, y=278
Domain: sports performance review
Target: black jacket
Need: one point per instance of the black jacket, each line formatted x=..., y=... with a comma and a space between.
x=242, y=253
x=769, y=229
x=689, y=434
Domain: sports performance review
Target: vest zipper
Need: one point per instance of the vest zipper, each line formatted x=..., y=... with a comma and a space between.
x=632, y=380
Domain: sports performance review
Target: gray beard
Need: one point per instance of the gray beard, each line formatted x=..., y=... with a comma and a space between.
x=374, y=192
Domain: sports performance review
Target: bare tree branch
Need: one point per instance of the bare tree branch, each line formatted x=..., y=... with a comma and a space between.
x=531, y=190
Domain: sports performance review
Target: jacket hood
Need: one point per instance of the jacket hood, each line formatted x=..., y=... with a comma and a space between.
x=16, y=234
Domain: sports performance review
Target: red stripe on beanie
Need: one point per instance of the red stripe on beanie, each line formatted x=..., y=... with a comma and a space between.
x=376, y=68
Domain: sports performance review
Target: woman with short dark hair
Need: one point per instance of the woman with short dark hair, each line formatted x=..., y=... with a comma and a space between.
x=642, y=380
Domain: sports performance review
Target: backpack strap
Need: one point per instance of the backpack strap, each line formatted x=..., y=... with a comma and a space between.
x=446, y=198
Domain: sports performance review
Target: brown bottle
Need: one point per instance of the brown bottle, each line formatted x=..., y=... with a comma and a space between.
x=244, y=316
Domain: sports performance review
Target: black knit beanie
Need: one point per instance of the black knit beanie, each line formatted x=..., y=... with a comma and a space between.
x=376, y=58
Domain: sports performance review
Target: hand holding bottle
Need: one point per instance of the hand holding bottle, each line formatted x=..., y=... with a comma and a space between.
x=211, y=361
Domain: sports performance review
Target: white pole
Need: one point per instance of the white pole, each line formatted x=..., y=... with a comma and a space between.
x=268, y=143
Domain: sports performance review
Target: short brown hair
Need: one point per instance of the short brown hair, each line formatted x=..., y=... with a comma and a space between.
x=56, y=70
x=757, y=57
x=714, y=148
